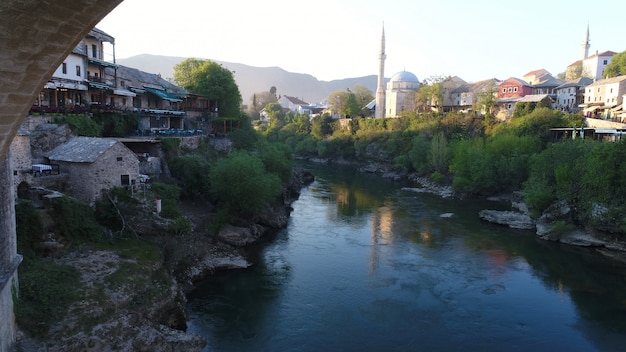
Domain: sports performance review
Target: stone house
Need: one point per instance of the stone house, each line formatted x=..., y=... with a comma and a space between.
x=95, y=164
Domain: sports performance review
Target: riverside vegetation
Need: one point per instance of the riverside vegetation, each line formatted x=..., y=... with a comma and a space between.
x=114, y=276
x=585, y=180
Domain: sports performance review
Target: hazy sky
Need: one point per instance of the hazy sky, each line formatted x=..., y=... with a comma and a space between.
x=334, y=39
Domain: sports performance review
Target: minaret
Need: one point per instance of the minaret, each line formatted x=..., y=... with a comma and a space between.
x=380, y=90
x=586, y=44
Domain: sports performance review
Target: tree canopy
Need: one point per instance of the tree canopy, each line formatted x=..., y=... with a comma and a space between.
x=210, y=79
x=617, y=67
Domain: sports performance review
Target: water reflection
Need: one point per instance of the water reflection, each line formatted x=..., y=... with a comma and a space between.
x=365, y=266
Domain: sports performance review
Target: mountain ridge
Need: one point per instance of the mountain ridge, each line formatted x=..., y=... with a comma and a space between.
x=251, y=79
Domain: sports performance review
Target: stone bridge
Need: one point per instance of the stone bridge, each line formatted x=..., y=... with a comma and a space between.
x=35, y=37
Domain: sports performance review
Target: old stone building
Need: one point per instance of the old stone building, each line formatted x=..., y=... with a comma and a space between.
x=94, y=164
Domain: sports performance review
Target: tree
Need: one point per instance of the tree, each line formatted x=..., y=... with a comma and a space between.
x=487, y=99
x=260, y=101
x=210, y=79
x=337, y=101
x=352, y=107
x=430, y=94
x=617, y=67
x=242, y=183
x=275, y=114
x=363, y=97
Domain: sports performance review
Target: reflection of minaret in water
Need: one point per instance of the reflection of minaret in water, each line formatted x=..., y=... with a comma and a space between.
x=586, y=44
x=380, y=89
x=382, y=233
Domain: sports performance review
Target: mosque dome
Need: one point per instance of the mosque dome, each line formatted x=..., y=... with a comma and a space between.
x=404, y=76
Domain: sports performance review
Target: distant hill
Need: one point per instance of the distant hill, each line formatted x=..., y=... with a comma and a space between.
x=252, y=79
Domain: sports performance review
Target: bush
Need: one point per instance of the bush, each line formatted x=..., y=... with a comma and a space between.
x=76, y=221
x=46, y=291
x=29, y=226
x=82, y=125
x=277, y=160
x=193, y=174
x=241, y=183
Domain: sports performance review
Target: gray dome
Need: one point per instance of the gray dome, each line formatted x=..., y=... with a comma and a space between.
x=404, y=76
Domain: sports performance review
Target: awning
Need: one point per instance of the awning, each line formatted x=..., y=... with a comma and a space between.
x=102, y=62
x=98, y=85
x=592, y=108
x=617, y=108
x=163, y=94
x=124, y=92
x=137, y=90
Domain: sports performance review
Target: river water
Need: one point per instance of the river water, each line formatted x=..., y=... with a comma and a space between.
x=365, y=266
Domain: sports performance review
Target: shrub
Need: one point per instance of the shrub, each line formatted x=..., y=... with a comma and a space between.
x=29, y=226
x=241, y=183
x=76, y=221
x=193, y=174
x=46, y=291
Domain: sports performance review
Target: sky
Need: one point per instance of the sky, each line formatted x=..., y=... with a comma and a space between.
x=336, y=39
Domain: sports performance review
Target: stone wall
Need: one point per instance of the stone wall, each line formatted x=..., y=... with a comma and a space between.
x=21, y=161
x=9, y=260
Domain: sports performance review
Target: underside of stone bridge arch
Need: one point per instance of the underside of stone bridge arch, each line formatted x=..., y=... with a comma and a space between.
x=35, y=37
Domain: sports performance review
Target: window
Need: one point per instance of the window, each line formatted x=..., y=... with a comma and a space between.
x=510, y=89
x=123, y=83
x=125, y=180
x=503, y=90
x=78, y=70
x=94, y=51
x=605, y=62
x=64, y=68
x=119, y=158
x=509, y=106
x=515, y=89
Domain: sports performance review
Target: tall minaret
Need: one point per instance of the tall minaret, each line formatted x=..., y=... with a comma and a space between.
x=380, y=90
x=586, y=44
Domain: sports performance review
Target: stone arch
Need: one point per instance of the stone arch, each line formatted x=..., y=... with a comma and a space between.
x=36, y=37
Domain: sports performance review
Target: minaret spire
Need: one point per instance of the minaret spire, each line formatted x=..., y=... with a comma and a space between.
x=380, y=88
x=586, y=44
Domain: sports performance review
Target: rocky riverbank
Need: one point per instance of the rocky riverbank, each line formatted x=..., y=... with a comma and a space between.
x=137, y=301
x=554, y=225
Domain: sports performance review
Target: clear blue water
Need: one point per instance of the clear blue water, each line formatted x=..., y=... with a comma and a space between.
x=365, y=266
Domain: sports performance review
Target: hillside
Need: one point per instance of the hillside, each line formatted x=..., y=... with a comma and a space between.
x=252, y=79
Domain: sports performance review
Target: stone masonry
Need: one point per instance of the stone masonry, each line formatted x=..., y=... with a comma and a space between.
x=36, y=38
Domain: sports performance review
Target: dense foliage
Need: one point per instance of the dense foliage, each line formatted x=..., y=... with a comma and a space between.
x=211, y=80
x=101, y=123
x=242, y=184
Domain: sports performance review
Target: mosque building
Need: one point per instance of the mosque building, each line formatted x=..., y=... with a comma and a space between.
x=400, y=90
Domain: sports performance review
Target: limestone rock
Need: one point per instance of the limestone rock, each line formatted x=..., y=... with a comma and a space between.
x=512, y=219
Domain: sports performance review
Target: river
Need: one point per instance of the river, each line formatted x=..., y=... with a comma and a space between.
x=365, y=266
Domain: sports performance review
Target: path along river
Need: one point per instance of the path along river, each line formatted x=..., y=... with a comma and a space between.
x=365, y=266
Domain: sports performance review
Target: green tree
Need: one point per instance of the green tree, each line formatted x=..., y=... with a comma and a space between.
x=617, y=67
x=321, y=126
x=210, y=79
x=259, y=102
x=487, y=99
x=439, y=156
x=241, y=183
x=276, y=115
x=352, y=107
x=363, y=97
x=337, y=101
